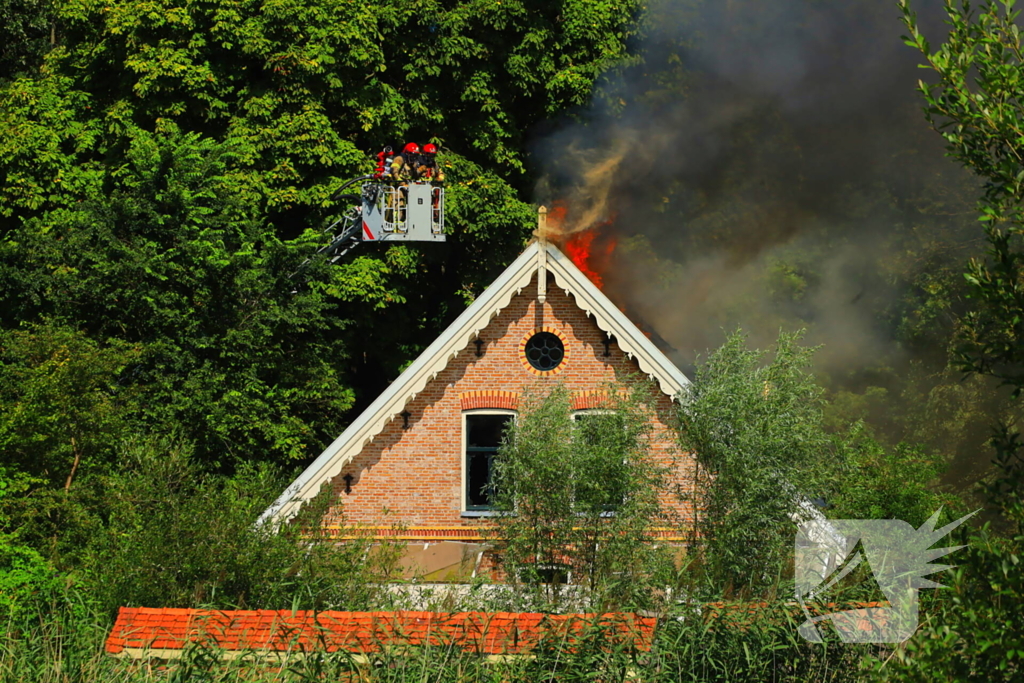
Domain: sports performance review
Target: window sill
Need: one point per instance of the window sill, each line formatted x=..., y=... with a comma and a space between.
x=479, y=513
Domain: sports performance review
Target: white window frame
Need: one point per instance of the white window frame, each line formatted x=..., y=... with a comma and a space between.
x=463, y=462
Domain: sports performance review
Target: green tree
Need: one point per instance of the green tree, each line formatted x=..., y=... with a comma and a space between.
x=169, y=167
x=977, y=104
x=757, y=431
x=580, y=496
x=161, y=531
x=900, y=482
x=29, y=32
x=167, y=256
x=62, y=411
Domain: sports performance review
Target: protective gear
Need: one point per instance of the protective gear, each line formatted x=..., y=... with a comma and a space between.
x=383, y=169
x=410, y=149
x=427, y=167
x=404, y=169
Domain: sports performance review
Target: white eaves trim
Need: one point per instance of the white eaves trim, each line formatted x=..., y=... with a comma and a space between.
x=434, y=359
x=613, y=322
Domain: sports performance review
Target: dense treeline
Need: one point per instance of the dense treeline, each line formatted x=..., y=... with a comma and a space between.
x=164, y=172
x=165, y=169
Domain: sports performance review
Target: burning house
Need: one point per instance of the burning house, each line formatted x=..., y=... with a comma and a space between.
x=415, y=465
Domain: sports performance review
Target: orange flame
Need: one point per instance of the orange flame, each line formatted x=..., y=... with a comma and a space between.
x=590, y=249
x=556, y=215
x=581, y=250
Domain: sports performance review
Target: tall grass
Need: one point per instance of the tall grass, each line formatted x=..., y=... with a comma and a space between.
x=64, y=643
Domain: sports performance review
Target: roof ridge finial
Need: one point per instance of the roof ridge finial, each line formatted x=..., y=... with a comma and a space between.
x=542, y=252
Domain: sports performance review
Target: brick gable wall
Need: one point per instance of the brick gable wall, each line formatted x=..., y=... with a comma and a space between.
x=413, y=476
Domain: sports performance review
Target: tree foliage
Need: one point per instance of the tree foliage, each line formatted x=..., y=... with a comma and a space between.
x=172, y=261
x=161, y=531
x=758, y=435
x=29, y=32
x=770, y=452
x=167, y=169
x=581, y=497
x=976, y=104
x=65, y=411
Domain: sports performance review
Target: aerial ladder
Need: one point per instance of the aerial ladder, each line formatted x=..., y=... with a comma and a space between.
x=385, y=210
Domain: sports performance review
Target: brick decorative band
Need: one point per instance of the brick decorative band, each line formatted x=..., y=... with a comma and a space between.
x=471, y=400
x=414, y=533
x=595, y=398
x=455, y=533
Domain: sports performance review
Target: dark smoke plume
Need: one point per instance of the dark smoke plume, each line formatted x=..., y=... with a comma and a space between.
x=760, y=147
x=768, y=166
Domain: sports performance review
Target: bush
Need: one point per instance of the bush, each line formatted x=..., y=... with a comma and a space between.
x=170, y=535
x=26, y=580
x=580, y=496
x=977, y=631
x=757, y=431
x=891, y=483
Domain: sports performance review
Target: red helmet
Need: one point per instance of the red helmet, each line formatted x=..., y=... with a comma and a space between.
x=411, y=148
x=430, y=148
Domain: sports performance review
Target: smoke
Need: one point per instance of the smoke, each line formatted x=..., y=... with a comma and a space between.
x=768, y=166
x=589, y=203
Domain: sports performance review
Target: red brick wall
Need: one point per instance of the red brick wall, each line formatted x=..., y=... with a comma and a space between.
x=413, y=477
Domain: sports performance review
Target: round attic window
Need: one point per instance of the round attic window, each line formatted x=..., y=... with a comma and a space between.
x=544, y=351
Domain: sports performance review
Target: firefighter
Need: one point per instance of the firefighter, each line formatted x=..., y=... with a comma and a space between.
x=427, y=168
x=403, y=166
x=403, y=171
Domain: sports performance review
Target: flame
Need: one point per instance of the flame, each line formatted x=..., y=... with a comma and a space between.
x=591, y=248
x=590, y=253
x=556, y=217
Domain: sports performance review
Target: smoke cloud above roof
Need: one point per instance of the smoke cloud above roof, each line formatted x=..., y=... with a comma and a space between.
x=767, y=166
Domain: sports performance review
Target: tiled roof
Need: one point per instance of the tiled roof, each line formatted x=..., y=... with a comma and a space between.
x=493, y=633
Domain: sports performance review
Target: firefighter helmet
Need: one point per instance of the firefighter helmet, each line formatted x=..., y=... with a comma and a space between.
x=411, y=148
x=430, y=148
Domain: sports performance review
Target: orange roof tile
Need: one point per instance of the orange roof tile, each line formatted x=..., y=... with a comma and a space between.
x=484, y=632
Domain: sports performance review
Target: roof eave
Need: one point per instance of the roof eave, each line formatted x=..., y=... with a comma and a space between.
x=405, y=387
x=453, y=340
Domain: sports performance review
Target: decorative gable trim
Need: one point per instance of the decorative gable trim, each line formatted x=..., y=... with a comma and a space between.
x=633, y=342
x=539, y=259
x=392, y=402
